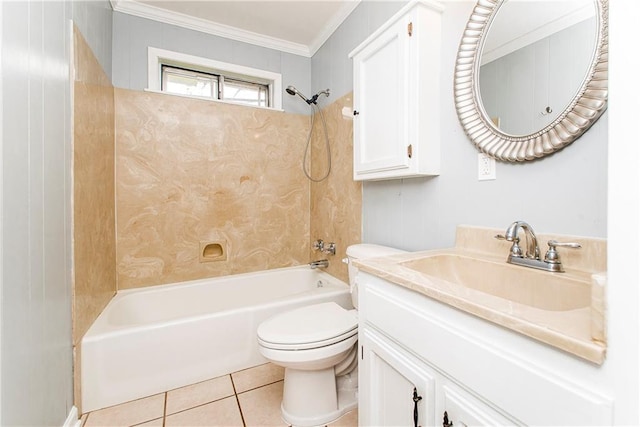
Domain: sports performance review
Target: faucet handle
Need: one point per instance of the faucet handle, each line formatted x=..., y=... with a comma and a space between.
x=515, y=250
x=329, y=249
x=552, y=256
x=318, y=245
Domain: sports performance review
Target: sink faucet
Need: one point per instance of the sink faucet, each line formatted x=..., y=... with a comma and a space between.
x=511, y=235
x=531, y=258
x=321, y=263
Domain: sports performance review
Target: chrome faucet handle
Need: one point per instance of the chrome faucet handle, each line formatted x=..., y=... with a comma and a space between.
x=552, y=256
x=515, y=250
x=329, y=249
x=318, y=245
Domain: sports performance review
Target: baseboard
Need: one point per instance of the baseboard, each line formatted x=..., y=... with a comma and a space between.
x=72, y=420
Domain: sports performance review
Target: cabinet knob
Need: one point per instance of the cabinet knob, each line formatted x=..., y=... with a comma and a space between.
x=356, y=112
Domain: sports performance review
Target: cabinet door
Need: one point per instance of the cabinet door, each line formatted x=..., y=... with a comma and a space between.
x=388, y=377
x=464, y=409
x=381, y=96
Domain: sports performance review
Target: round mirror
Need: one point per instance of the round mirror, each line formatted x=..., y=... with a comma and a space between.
x=531, y=76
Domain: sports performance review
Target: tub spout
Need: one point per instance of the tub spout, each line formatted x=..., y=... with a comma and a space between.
x=321, y=263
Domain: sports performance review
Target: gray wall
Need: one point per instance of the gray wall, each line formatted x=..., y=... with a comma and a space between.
x=36, y=386
x=132, y=36
x=331, y=66
x=565, y=193
x=94, y=19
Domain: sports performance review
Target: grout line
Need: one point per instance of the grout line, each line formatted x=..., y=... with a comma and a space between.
x=260, y=386
x=144, y=422
x=200, y=405
x=244, y=424
x=164, y=412
x=250, y=367
x=196, y=383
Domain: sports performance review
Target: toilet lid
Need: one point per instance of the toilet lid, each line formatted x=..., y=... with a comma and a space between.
x=308, y=327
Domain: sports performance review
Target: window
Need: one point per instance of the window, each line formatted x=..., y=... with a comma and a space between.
x=196, y=83
x=177, y=73
x=189, y=82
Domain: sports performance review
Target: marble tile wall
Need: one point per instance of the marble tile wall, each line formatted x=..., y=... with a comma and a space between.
x=94, y=243
x=191, y=171
x=336, y=202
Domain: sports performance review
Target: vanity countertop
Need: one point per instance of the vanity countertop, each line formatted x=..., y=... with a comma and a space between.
x=561, y=321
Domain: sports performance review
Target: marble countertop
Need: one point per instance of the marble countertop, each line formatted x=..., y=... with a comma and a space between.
x=579, y=330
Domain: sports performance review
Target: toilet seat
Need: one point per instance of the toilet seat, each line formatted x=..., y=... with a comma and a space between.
x=308, y=327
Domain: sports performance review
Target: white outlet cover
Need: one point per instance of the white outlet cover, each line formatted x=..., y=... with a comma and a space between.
x=486, y=167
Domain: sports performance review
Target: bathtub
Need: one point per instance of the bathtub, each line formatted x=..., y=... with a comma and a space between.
x=151, y=340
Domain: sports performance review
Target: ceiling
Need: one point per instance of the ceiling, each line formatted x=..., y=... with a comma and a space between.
x=295, y=26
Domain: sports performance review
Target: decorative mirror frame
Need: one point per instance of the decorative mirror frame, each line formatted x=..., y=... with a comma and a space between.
x=583, y=111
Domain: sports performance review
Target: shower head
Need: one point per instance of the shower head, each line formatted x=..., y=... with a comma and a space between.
x=291, y=90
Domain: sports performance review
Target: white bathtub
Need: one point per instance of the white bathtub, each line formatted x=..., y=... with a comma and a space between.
x=151, y=340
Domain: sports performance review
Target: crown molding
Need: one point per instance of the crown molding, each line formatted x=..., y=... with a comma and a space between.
x=333, y=25
x=179, y=19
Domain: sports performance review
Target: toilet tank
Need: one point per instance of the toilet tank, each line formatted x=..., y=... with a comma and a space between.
x=364, y=251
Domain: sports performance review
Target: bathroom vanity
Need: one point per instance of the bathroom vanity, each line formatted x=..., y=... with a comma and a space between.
x=434, y=351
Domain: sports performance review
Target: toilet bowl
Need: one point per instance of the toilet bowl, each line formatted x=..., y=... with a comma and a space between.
x=317, y=346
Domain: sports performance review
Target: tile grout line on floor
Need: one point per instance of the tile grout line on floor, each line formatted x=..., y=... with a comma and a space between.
x=235, y=393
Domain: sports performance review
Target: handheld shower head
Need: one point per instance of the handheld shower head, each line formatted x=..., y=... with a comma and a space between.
x=291, y=90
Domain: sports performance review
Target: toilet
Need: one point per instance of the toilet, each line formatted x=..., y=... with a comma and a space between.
x=317, y=346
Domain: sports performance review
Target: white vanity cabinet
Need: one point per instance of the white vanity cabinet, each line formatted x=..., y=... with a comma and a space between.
x=394, y=377
x=401, y=390
x=476, y=372
x=396, y=85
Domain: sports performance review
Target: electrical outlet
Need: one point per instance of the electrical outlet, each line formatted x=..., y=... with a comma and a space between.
x=486, y=167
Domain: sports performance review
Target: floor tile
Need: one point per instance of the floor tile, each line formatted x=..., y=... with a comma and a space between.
x=257, y=377
x=153, y=423
x=261, y=406
x=350, y=419
x=199, y=394
x=128, y=414
x=223, y=412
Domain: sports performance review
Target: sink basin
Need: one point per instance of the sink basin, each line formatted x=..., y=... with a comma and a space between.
x=534, y=288
x=563, y=310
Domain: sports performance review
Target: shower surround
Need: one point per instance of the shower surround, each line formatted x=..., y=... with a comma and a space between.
x=94, y=235
x=192, y=171
x=336, y=202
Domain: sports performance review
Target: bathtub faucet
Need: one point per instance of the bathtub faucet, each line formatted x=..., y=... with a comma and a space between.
x=321, y=263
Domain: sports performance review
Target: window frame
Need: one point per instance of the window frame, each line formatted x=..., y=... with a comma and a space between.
x=159, y=57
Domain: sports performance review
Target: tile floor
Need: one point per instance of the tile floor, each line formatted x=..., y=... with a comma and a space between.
x=246, y=398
